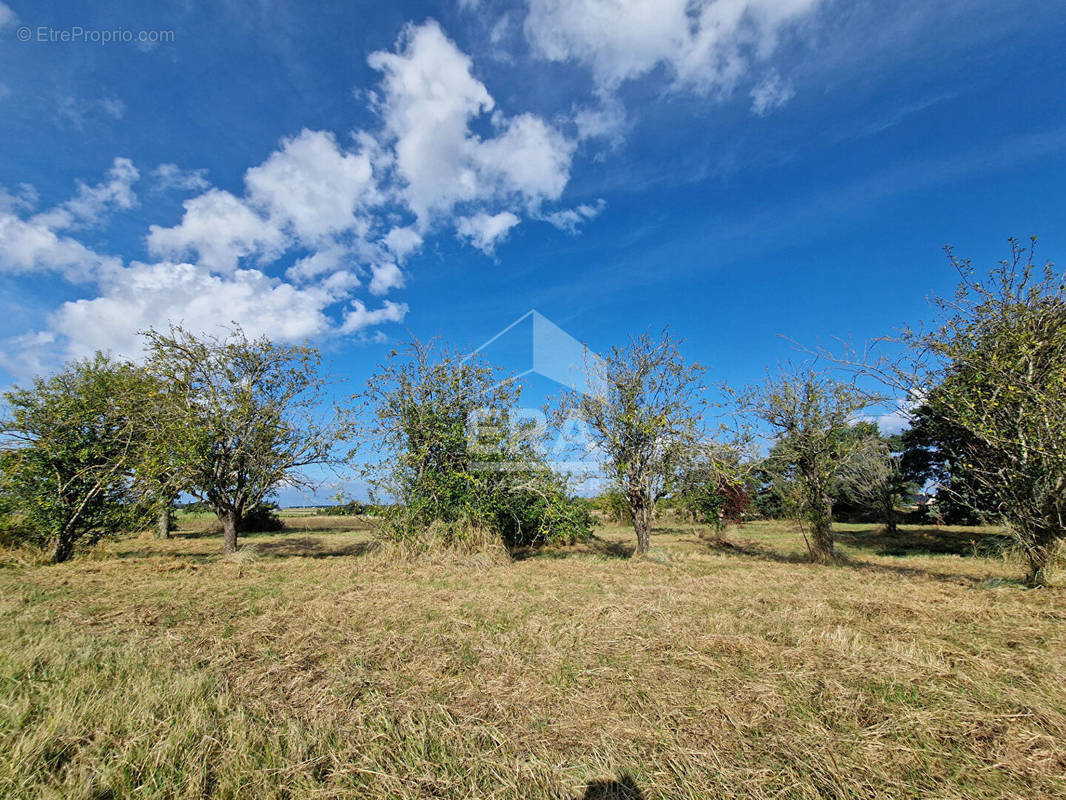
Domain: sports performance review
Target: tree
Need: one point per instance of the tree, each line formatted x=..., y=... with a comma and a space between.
x=69, y=448
x=874, y=477
x=709, y=487
x=994, y=368
x=457, y=460
x=810, y=414
x=644, y=410
x=934, y=452
x=235, y=418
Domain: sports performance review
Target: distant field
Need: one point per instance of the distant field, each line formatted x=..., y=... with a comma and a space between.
x=311, y=666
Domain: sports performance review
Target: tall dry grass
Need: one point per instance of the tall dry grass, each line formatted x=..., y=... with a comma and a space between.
x=718, y=668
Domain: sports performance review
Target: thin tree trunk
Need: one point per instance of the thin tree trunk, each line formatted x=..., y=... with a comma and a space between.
x=890, y=516
x=641, y=514
x=162, y=530
x=230, y=520
x=1039, y=550
x=821, y=520
x=62, y=549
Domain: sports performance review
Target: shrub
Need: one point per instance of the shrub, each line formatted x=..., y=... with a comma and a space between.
x=262, y=518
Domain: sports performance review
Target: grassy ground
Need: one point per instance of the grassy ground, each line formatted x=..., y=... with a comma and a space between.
x=311, y=666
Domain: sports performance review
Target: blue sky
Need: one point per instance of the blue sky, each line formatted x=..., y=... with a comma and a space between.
x=737, y=169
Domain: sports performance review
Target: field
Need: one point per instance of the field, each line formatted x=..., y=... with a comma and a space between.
x=312, y=666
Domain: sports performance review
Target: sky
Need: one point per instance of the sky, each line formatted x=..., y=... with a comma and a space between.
x=748, y=172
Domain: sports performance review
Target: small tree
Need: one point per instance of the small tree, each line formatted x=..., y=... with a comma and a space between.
x=874, y=477
x=810, y=414
x=995, y=368
x=991, y=379
x=709, y=487
x=455, y=458
x=235, y=418
x=69, y=449
x=644, y=411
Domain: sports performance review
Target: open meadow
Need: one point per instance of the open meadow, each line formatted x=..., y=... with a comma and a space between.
x=309, y=665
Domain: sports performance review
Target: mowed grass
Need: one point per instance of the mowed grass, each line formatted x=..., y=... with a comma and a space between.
x=313, y=666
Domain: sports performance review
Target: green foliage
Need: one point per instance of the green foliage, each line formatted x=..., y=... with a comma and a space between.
x=261, y=518
x=998, y=373
x=612, y=503
x=709, y=488
x=69, y=449
x=644, y=411
x=934, y=452
x=351, y=508
x=461, y=469
x=810, y=413
x=234, y=419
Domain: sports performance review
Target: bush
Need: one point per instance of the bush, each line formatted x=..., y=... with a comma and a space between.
x=353, y=508
x=532, y=519
x=263, y=518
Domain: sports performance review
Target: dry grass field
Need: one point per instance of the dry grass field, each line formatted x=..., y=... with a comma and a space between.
x=313, y=666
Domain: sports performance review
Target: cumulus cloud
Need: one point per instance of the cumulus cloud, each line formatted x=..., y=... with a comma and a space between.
x=316, y=220
x=142, y=296
x=401, y=242
x=360, y=317
x=429, y=99
x=386, y=277
x=31, y=246
x=708, y=46
x=40, y=243
x=91, y=203
x=485, y=231
x=311, y=186
x=220, y=229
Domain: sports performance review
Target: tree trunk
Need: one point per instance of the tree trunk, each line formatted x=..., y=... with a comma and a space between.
x=230, y=520
x=640, y=511
x=1040, y=549
x=890, y=516
x=162, y=530
x=62, y=549
x=820, y=517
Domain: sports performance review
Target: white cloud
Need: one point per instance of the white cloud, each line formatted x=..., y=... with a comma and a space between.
x=311, y=186
x=401, y=242
x=484, y=231
x=91, y=203
x=38, y=244
x=444, y=158
x=771, y=93
x=386, y=277
x=318, y=263
x=607, y=121
x=31, y=246
x=705, y=45
x=570, y=219
x=220, y=229
x=360, y=317
x=529, y=159
x=171, y=176
x=143, y=296
x=430, y=97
